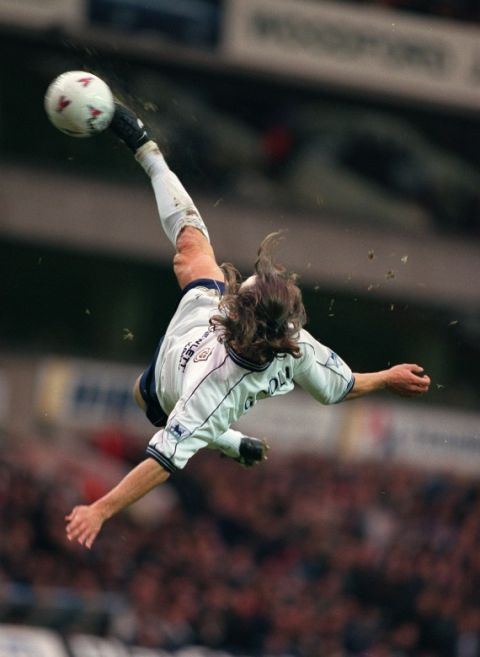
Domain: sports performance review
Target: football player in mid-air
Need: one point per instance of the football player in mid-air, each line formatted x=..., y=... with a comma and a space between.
x=229, y=344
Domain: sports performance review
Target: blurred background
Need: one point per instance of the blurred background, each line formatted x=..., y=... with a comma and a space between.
x=354, y=126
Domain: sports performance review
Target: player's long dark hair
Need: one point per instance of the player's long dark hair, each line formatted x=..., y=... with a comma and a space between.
x=263, y=319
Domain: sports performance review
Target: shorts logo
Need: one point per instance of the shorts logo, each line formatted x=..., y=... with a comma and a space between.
x=203, y=354
x=178, y=430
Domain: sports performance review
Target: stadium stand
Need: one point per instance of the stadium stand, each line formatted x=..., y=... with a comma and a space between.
x=302, y=557
x=327, y=158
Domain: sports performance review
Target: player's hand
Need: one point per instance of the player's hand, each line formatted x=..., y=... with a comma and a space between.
x=252, y=451
x=407, y=380
x=83, y=525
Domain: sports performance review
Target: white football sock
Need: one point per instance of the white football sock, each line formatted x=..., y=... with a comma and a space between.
x=175, y=207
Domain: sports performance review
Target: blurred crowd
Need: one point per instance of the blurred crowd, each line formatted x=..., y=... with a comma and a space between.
x=301, y=556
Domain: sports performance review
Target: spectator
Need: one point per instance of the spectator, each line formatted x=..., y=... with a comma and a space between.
x=308, y=558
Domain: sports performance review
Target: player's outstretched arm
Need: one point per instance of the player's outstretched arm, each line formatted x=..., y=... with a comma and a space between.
x=406, y=380
x=85, y=522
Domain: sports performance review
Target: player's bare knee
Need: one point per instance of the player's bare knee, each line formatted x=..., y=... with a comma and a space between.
x=192, y=249
x=180, y=262
x=191, y=240
x=194, y=258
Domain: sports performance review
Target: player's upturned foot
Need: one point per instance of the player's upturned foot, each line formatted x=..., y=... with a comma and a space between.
x=252, y=451
x=128, y=127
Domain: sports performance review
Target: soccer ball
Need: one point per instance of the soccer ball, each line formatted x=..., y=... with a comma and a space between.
x=79, y=104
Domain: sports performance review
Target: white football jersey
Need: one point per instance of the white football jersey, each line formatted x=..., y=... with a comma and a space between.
x=204, y=386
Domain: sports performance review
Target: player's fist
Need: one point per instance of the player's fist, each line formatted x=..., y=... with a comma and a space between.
x=407, y=380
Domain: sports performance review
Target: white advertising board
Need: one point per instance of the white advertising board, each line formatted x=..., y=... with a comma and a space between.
x=16, y=641
x=84, y=645
x=87, y=394
x=41, y=13
x=424, y=436
x=357, y=47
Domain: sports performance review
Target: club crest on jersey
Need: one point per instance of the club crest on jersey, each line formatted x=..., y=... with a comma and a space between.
x=190, y=349
x=203, y=354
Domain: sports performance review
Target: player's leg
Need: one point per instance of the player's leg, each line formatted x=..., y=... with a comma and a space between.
x=137, y=395
x=179, y=216
x=145, y=395
x=180, y=219
x=194, y=258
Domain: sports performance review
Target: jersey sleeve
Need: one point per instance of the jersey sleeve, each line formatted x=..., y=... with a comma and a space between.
x=321, y=372
x=197, y=421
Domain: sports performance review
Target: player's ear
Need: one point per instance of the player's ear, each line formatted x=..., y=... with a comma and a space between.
x=248, y=282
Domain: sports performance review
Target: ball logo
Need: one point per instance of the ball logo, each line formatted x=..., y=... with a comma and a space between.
x=94, y=112
x=85, y=81
x=63, y=102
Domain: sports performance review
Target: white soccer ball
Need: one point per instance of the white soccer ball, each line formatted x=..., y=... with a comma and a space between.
x=79, y=104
